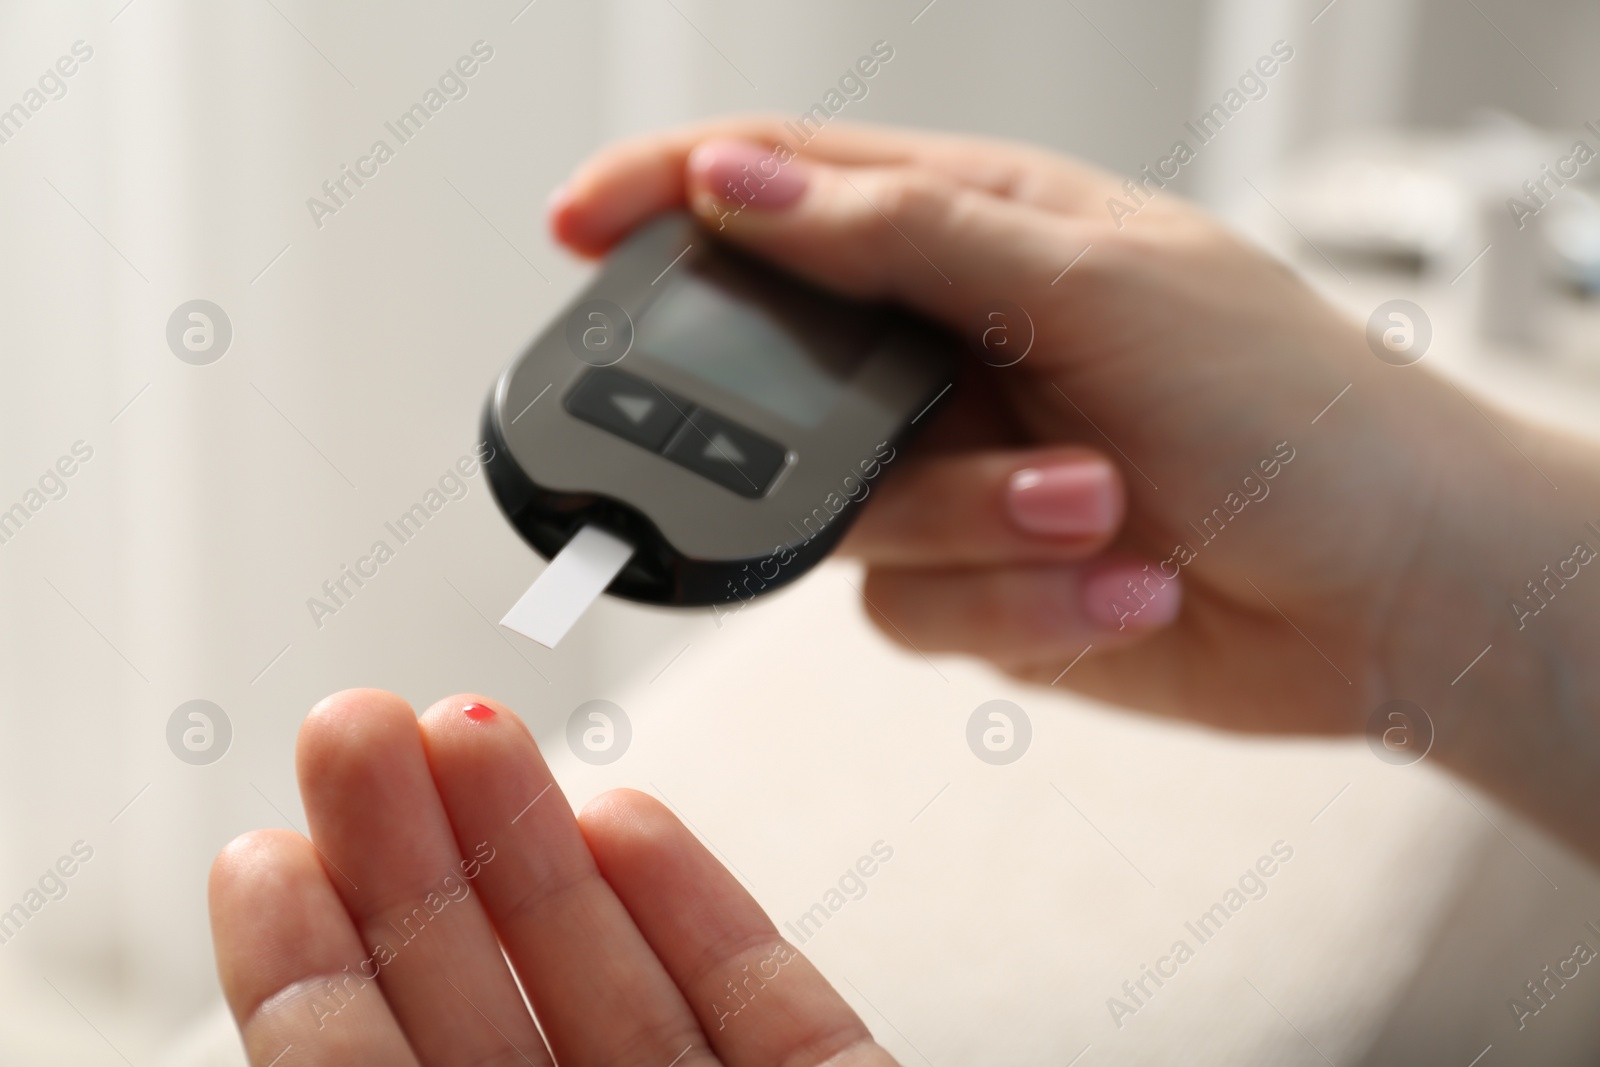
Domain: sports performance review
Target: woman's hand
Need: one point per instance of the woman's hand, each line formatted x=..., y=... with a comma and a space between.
x=437, y=843
x=1199, y=468
x=1159, y=431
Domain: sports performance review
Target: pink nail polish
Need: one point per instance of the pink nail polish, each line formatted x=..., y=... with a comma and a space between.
x=746, y=175
x=478, y=712
x=1076, y=499
x=1126, y=596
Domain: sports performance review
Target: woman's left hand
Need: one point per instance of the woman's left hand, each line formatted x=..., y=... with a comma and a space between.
x=437, y=842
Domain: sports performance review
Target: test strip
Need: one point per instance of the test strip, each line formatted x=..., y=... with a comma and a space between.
x=575, y=579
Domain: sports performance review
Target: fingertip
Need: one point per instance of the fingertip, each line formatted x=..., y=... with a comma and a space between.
x=992, y=507
x=572, y=223
x=350, y=707
x=1072, y=496
x=614, y=192
x=474, y=708
x=725, y=176
x=473, y=745
x=624, y=811
x=715, y=158
x=249, y=860
x=472, y=727
x=1024, y=615
x=626, y=183
x=633, y=836
x=350, y=724
x=558, y=198
x=697, y=164
x=640, y=846
x=351, y=712
x=1123, y=595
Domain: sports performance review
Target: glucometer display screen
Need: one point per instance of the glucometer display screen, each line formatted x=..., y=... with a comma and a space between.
x=766, y=338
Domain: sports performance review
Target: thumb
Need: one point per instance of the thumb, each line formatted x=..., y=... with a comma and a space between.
x=893, y=232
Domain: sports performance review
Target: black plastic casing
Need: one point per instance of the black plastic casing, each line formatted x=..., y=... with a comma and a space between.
x=696, y=542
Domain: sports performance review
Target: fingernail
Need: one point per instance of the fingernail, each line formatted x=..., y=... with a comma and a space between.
x=1073, y=499
x=1128, y=596
x=557, y=198
x=747, y=175
x=478, y=712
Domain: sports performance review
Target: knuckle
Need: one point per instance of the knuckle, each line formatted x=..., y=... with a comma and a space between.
x=911, y=199
x=548, y=894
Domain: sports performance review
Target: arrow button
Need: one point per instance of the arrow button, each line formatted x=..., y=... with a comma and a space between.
x=722, y=450
x=727, y=453
x=628, y=406
x=637, y=408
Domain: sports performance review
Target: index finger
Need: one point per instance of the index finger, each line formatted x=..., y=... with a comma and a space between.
x=628, y=182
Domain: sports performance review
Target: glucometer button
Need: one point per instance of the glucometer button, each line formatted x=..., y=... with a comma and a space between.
x=627, y=406
x=726, y=452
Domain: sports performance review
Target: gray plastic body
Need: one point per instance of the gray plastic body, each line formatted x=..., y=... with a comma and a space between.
x=699, y=541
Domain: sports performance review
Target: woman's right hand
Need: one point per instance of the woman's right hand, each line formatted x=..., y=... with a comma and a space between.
x=1322, y=530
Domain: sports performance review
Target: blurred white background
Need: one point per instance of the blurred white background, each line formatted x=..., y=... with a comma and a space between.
x=177, y=566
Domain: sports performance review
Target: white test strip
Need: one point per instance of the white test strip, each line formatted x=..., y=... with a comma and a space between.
x=563, y=592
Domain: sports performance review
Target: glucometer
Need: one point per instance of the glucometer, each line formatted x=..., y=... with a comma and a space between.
x=698, y=426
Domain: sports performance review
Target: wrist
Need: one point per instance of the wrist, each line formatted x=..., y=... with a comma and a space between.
x=1495, y=630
